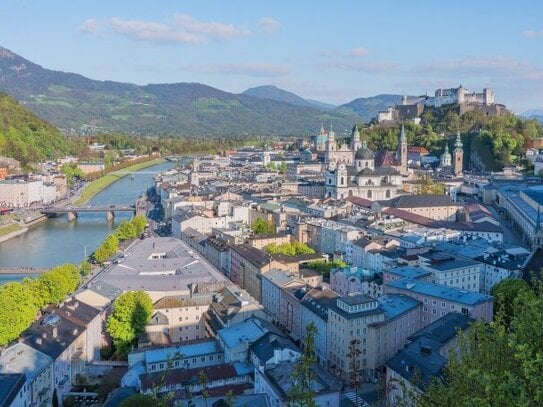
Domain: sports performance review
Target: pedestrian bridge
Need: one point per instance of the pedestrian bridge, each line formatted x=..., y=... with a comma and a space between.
x=73, y=211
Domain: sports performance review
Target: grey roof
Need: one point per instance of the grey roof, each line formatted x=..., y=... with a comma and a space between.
x=378, y=171
x=364, y=154
x=10, y=384
x=259, y=258
x=322, y=382
x=318, y=302
x=265, y=347
x=418, y=201
x=423, y=356
x=21, y=358
x=161, y=264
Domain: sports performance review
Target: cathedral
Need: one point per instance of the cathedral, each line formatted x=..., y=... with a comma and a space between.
x=352, y=170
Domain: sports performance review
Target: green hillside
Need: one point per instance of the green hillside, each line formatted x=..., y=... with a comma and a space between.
x=73, y=102
x=25, y=137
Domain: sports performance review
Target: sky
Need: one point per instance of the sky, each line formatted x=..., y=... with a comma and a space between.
x=333, y=52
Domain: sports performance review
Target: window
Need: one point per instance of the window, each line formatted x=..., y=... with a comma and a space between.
x=434, y=311
x=442, y=305
x=434, y=302
x=465, y=311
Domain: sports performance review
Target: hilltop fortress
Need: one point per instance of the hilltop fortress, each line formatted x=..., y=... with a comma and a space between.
x=412, y=106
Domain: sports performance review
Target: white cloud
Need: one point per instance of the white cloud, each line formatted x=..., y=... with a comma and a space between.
x=210, y=29
x=247, y=69
x=532, y=33
x=90, y=26
x=269, y=24
x=184, y=30
x=358, y=52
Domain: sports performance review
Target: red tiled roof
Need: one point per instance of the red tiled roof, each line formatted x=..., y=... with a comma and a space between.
x=365, y=203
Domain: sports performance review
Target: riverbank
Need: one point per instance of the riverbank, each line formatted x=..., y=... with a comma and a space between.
x=103, y=182
x=9, y=231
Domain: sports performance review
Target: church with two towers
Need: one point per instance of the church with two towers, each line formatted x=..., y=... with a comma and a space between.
x=352, y=169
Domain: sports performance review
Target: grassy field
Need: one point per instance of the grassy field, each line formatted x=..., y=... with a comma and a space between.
x=96, y=186
x=7, y=229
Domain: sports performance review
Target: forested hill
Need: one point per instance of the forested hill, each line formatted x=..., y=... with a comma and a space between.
x=71, y=101
x=25, y=137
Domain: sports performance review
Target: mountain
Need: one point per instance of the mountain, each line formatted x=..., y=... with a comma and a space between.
x=367, y=108
x=321, y=105
x=78, y=104
x=25, y=137
x=534, y=114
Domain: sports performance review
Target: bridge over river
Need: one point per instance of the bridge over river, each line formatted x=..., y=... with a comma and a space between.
x=73, y=211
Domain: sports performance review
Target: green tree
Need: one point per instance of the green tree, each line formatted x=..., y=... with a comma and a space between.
x=498, y=364
x=18, y=308
x=71, y=171
x=324, y=267
x=289, y=249
x=506, y=292
x=283, y=168
x=203, y=381
x=302, y=394
x=131, y=312
x=107, y=249
x=125, y=231
x=263, y=227
x=58, y=282
x=85, y=268
x=425, y=185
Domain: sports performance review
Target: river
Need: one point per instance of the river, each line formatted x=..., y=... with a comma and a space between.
x=58, y=241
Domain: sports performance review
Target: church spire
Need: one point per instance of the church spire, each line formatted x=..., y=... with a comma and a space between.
x=402, y=151
x=403, y=139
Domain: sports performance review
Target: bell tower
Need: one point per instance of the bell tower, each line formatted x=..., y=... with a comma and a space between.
x=458, y=156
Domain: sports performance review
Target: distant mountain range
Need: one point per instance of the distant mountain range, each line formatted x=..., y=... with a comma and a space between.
x=534, y=114
x=78, y=104
x=274, y=93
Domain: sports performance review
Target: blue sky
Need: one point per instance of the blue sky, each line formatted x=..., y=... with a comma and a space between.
x=329, y=51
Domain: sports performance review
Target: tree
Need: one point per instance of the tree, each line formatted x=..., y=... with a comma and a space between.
x=497, y=364
x=353, y=354
x=301, y=394
x=506, y=292
x=58, y=282
x=131, y=312
x=263, y=227
x=107, y=249
x=324, y=267
x=425, y=185
x=85, y=268
x=202, y=381
x=289, y=249
x=283, y=168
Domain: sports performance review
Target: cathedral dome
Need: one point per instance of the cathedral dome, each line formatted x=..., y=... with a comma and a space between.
x=364, y=153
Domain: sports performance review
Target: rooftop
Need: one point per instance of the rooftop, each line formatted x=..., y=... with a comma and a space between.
x=21, y=358
x=198, y=347
x=160, y=264
x=10, y=385
x=249, y=330
x=440, y=291
x=281, y=378
x=396, y=305
x=409, y=271
x=424, y=355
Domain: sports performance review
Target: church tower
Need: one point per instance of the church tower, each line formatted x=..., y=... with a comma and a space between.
x=355, y=143
x=331, y=143
x=402, y=150
x=458, y=156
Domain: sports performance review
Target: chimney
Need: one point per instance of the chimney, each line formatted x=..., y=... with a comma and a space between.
x=55, y=332
x=75, y=331
x=39, y=341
